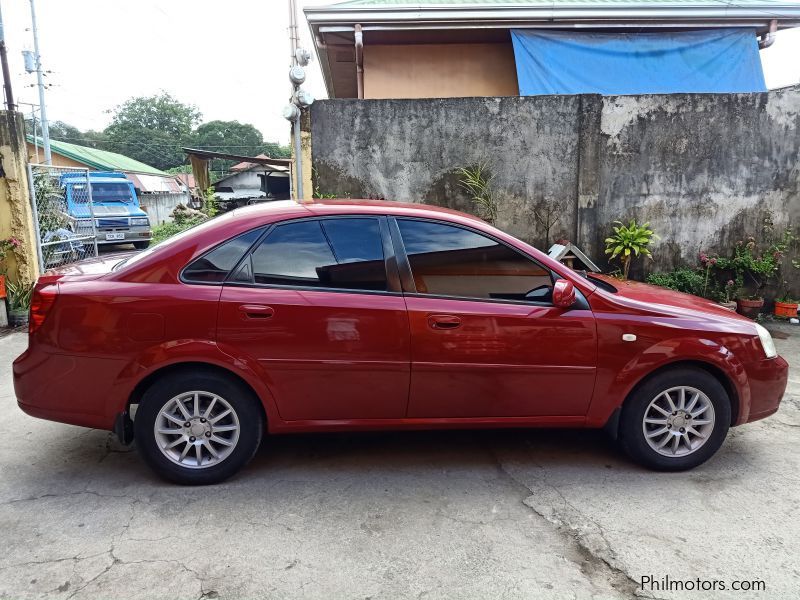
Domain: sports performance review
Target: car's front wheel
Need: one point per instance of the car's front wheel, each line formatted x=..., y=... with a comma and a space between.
x=676, y=421
x=197, y=429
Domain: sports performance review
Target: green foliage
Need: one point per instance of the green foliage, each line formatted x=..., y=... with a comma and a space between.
x=629, y=241
x=690, y=281
x=476, y=180
x=228, y=136
x=19, y=295
x=51, y=205
x=152, y=129
x=758, y=262
x=210, y=208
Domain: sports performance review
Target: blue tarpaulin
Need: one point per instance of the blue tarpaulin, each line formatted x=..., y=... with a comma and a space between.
x=562, y=62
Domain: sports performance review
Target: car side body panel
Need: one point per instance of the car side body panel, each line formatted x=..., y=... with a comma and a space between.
x=107, y=332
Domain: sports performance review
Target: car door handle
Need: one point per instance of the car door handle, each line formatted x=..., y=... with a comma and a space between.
x=443, y=321
x=256, y=311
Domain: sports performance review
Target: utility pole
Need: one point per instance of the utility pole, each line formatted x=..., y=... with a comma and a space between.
x=48, y=157
x=4, y=65
x=294, y=44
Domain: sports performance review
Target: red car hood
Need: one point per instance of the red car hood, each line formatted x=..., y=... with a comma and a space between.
x=662, y=299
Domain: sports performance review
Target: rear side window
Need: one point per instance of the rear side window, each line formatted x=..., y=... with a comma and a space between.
x=451, y=261
x=214, y=266
x=328, y=253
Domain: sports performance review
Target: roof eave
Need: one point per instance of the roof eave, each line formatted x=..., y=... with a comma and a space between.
x=433, y=17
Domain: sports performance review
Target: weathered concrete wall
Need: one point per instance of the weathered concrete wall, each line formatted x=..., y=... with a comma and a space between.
x=16, y=219
x=159, y=207
x=705, y=170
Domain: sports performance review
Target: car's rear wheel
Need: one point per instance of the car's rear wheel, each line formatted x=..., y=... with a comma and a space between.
x=141, y=245
x=677, y=420
x=197, y=429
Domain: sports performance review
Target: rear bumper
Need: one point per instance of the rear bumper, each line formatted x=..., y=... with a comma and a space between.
x=62, y=388
x=767, y=379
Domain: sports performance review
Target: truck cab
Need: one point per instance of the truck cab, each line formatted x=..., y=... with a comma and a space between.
x=119, y=219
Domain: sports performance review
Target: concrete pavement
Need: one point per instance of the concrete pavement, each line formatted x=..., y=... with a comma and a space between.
x=503, y=514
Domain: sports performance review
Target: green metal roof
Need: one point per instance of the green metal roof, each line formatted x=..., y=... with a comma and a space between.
x=102, y=160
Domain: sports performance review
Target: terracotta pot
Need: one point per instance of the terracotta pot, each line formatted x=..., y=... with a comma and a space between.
x=749, y=308
x=730, y=305
x=785, y=309
x=2, y=286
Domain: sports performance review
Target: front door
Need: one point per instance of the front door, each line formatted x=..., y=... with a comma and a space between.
x=313, y=304
x=486, y=339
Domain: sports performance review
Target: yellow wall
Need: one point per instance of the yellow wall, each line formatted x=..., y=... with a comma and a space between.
x=439, y=71
x=58, y=160
x=16, y=218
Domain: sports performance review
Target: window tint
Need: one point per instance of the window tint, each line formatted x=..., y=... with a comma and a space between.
x=214, y=266
x=451, y=261
x=331, y=253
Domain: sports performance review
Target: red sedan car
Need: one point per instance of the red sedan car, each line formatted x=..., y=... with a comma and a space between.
x=289, y=317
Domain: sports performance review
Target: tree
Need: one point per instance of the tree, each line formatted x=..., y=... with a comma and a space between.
x=231, y=137
x=152, y=129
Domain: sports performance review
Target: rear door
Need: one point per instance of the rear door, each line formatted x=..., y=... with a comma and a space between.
x=317, y=302
x=486, y=338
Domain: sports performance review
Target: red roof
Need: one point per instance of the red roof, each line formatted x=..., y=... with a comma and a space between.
x=243, y=166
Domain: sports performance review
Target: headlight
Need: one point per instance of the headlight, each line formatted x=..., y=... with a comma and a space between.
x=766, y=341
x=140, y=221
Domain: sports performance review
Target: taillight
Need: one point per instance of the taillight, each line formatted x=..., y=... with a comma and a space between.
x=44, y=295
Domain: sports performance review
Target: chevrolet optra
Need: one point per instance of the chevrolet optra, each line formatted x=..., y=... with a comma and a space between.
x=319, y=316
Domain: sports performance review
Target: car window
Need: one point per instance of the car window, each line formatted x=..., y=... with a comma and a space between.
x=214, y=266
x=329, y=253
x=452, y=261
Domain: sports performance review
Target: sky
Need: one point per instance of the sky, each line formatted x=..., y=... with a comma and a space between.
x=230, y=59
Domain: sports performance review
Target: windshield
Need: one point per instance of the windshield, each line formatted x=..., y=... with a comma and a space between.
x=103, y=192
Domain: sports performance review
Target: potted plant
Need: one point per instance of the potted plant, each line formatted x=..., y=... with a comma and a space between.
x=629, y=241
x=786, y=306
x=751, y=265
x=19, y=302
x=726, y=296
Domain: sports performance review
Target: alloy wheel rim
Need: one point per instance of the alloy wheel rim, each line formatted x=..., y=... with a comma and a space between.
x=678, y=421
x=197, y=429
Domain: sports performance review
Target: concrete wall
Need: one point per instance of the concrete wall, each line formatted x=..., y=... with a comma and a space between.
x=159, y=207
x=16, y=219
x=439, y=70
x=705, y=170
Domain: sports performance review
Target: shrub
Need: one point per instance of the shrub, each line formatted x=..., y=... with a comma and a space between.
x=690, y=281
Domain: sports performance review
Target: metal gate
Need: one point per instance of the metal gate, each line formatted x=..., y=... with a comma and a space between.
x=63, y=213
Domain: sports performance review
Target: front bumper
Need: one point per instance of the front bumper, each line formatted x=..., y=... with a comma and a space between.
x=129, y=235
x=768, y=379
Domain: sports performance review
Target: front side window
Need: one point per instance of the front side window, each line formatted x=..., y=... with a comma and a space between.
x=328, y=253
x=452, y=261
x=214, y=266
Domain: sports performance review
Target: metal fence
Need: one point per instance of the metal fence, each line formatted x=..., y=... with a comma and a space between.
x=64, y=218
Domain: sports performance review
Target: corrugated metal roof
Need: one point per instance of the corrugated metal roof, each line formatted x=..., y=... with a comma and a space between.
x=102, y=160
x=767, y=4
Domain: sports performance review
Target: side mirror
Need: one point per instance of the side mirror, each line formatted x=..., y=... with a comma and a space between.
x=563, y=293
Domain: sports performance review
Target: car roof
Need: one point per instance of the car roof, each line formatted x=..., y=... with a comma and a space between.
x=287, y=208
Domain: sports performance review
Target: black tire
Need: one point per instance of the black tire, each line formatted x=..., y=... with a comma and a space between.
x=141, y=245
x=632, y=435
x=243, y=402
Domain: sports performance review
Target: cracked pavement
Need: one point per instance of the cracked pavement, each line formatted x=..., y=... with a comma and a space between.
x=464, y=514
